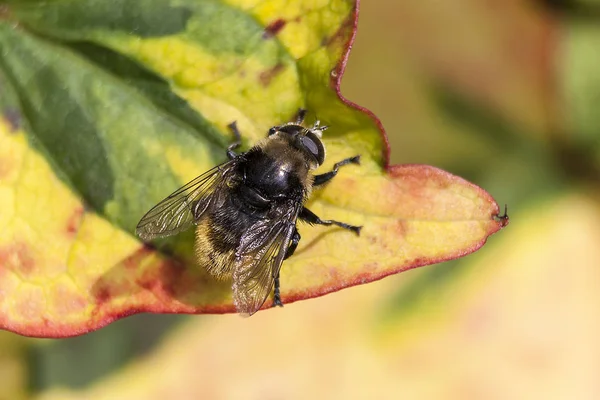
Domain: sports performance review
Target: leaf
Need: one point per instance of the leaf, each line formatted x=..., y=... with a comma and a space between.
x=507, y=330
x=104, y=117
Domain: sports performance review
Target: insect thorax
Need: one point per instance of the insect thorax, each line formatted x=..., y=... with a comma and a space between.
x=276, y=171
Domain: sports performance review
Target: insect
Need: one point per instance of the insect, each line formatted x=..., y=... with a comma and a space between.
x=246, y=209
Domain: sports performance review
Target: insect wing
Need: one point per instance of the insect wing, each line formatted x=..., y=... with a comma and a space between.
x=259, y=258
x=182, y=208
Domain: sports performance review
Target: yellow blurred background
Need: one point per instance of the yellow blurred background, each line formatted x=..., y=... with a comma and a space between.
x=503, y=93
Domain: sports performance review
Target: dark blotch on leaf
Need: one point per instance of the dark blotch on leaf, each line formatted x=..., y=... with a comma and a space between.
x=165, y=281
x=116, y=284
x=273, y=28
x=267, y=76
x=75, y=220
x=101, y=294
x=341, y=34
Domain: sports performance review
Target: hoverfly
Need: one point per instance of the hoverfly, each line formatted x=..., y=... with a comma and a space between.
x=246, y=209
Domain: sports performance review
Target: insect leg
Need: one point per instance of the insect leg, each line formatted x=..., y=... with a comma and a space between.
x=312, y=218
x=290, y=251
x=300, y=116
x=327, y=176
x=238, y=140
x=293, y=244
x=276, y=295
x=299, y=119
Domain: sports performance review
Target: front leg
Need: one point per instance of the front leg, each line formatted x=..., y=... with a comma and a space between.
x=238, y=140
x=326, y=177
x=310, y=217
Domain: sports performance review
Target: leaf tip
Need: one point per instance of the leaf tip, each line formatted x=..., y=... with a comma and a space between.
x=503, y=219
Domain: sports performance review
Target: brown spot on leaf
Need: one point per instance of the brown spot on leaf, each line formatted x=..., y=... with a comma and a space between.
x=119, y=281
x=165, y=280
x=75, y=220
x=134, y=261
x=342, y=34
x=273, y=28
x=267, y=76
x=101, y=293
x=17, y=257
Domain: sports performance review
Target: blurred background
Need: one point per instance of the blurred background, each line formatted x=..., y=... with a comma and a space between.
x=503, y=93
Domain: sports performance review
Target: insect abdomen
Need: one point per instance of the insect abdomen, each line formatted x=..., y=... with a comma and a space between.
x=218, y=235
x=210, y=252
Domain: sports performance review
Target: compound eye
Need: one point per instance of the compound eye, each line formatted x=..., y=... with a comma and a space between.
x=314, y=146
x=310, y=145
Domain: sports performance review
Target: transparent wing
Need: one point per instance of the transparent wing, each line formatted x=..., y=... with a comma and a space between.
x=259, y=259
x=182, y=208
